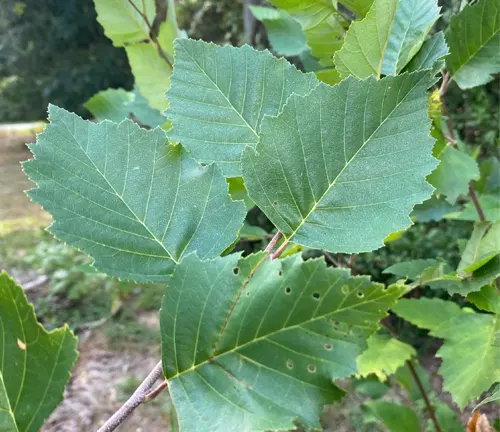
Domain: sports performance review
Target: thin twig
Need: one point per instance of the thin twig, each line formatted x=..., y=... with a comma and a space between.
x=280, y=250
x=445, y=83
x=475, y=200
x=331, y=258
x=352, y=261
x=134, y=401
x=152, y=35
x=156, y=391
x=430, y=408
x=270, y=247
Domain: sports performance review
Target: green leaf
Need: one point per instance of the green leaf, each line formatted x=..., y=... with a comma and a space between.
x=238, y=191
x=495, y=396
x=150, y=57
x=397, y=418
x=453, y=174
x=490, y=205
x=405, y=379
x=430, y=56
x=322, y=24
x=413, y=20
x=470, y=352
x=252, y=232
x=370, y=387
x=446, y=418
x=219, y=96
x=285, y=34
x=488, y=299
x=341, y=168
x=433, y=209
x=359, y=7
x=490, y=175
x=483, y=245
x=474, y=38
x=152, y=73
x=122, y=21
x=383, y=356
x=127, y=198
x=412, y=269
x=118, y=104
x=259, y=353
x=35, y=363
x=398, y=27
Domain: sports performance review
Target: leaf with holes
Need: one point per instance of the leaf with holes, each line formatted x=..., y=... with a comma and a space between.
x=387, y=39
x=35, y=363
x=471, y=349
x=258, y=353
x=125, y=196
x=341, y=168
x=219, y=96
x=474, y=38
x=383, y=356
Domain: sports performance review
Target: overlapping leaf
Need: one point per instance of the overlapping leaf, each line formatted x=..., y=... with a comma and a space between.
x=359, y=7
x=474, y=38
x=117, y=105
x=285, y=34
x=219, y=96
x=397, y=418
x=470, y=353
x=483, y=245
x=430, y=56
x=456, y=169
x=35, y=363
x=383, y=356
x=322, y=23
x=341, y=168
x=387, y=38
x=127, y=198
x=259, y=353
x=129, y=24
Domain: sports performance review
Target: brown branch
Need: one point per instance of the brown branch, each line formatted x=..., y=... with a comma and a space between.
x=330, y=257
x=134, y=401
x=270, y=247
x=156, y=391
x=420, y=386
x=152, y=35
x=475, y=200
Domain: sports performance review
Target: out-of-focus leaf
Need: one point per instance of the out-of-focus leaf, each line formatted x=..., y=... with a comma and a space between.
x=434, y=209
x=488, y=299
x=383, y=356
x=453, y=174
x=35, y=364
x=474, y=37
x=494, y=397
x=397, y=418
x=285, y=33
x=471, y=350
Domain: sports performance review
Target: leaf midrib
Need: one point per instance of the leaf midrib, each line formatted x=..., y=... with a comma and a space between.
x=304, y=219
x=120, y=197
x=387, y=293
x=221, y=92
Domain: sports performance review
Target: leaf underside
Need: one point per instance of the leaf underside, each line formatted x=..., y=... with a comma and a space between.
x=387, y=39
x=35, y=363
x=219, y=96
x=127, y=198
x=260, y=354
x=341, y=168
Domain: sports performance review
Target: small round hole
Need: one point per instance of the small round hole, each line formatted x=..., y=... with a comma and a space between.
x=360, y=294
x=288, y=290
x=280, y=273
x=289, y=364
x=248, y=293
x=345, y=289
x=328, y=347
x=236, y=270
x=275, y=203
x=316, y=296
x=311, y=368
